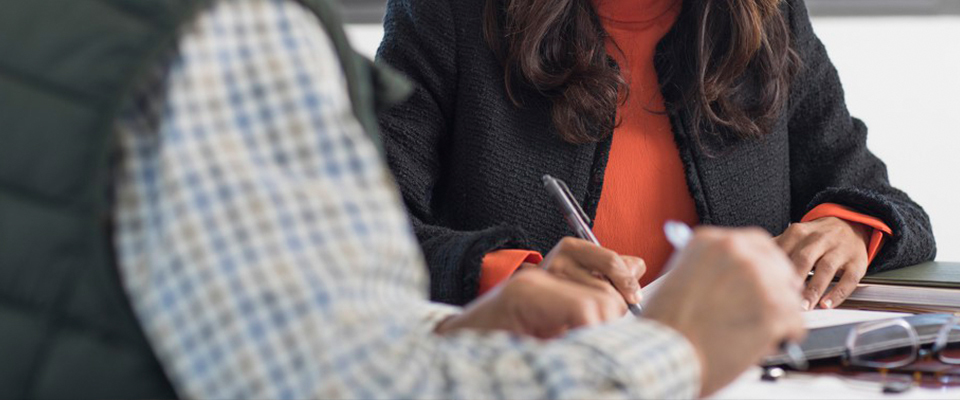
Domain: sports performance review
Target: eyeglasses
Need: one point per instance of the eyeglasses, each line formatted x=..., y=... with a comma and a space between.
x=885, y=346
x=892, y=344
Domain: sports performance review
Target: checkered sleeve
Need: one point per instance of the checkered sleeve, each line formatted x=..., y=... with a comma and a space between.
x=267, y=255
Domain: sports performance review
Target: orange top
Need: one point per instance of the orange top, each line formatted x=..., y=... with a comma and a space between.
x=644, y=183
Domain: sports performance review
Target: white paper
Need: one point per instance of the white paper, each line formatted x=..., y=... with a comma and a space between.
x=823, y=318
x=650, y=290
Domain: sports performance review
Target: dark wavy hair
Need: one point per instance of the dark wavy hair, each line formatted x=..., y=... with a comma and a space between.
x=557, y=47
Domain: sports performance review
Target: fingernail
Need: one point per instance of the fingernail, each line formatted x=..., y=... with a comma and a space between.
x=828, y=303
x=638, y=296
x=805, y=305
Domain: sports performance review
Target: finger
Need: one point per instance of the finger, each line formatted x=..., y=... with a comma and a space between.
x=609, y=308
x=610, y=265
x=808, y=252
x=796, y=330
x=853, y=272
x=788, y=239
x=637, y=268
x=580, y=311
x=595, y=284
x=779, y=267
x=635, y=265
x=792, y=324
x=571, y=271
x=826, y=269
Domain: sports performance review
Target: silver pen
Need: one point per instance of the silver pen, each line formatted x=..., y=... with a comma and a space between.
x=577, y=220
x=679, y=234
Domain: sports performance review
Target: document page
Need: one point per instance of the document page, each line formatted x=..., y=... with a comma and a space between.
x=823, y=318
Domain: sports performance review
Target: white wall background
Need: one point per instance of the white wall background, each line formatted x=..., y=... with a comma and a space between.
x=902, y=77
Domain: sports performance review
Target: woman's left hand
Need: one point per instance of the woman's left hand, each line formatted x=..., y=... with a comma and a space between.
x=830, y=247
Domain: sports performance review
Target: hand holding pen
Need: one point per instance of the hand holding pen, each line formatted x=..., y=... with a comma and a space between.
x=619, y=272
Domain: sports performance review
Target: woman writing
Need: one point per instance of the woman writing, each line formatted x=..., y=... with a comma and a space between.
x=704, y=111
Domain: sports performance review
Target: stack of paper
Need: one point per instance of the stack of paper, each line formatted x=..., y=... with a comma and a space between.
x=930, y=287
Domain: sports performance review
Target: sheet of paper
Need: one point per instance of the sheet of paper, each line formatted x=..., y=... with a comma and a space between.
x=804, y=386
x=813, y=319
x=823, y=318
x=651, y=289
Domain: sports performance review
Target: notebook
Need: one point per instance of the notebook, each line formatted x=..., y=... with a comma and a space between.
x=928, y=287
x=932, y=274
x=934, y=285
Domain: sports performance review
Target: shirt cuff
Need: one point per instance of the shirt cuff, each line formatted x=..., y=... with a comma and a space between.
x=655, y=359
x=434, y=314
x=880, y=229
x=499, y=265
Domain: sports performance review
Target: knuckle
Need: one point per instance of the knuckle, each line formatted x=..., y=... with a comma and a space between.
x=840, y=292
x=818, y=236
x=611, y=262
x=641, y=267
x=614, y=302
x=805, y=256
x=789, y=231
x=800, y=229
x=859, y=272
x=829, y=264
x=590, y=303
x=558, y=267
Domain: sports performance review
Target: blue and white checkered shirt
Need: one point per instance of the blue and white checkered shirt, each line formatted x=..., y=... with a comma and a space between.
x=267, y=254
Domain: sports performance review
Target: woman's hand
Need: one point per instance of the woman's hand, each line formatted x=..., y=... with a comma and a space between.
x=830, y=247
x=583, y=262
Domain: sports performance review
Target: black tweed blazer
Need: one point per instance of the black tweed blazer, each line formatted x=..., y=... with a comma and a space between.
x=469, y=162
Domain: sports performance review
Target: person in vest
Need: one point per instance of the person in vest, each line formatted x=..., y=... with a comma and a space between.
x=192, y=204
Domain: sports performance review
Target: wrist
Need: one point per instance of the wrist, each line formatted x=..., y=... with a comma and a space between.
x=864, y=232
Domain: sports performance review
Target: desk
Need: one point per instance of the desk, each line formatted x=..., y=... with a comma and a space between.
x=749, y=386
x=821, y=384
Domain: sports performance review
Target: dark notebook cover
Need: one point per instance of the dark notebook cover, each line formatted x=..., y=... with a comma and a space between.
x=931, y=274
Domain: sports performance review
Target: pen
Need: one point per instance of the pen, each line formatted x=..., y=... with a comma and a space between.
x=679, y=234
x=577, y=220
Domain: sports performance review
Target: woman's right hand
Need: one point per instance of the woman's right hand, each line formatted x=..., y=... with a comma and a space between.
x=588, y=264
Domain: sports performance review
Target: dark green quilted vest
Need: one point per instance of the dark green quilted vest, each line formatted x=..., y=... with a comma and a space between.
x=66, y=67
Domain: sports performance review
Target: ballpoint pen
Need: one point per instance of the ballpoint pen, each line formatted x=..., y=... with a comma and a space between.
x=577, y=220
x=679, y=234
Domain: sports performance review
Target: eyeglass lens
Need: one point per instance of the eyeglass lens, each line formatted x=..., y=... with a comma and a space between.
x=948, y=342
x=889, y=344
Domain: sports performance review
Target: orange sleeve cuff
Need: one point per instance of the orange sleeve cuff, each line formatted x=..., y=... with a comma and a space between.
x=880, y=229
x=499, y=265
